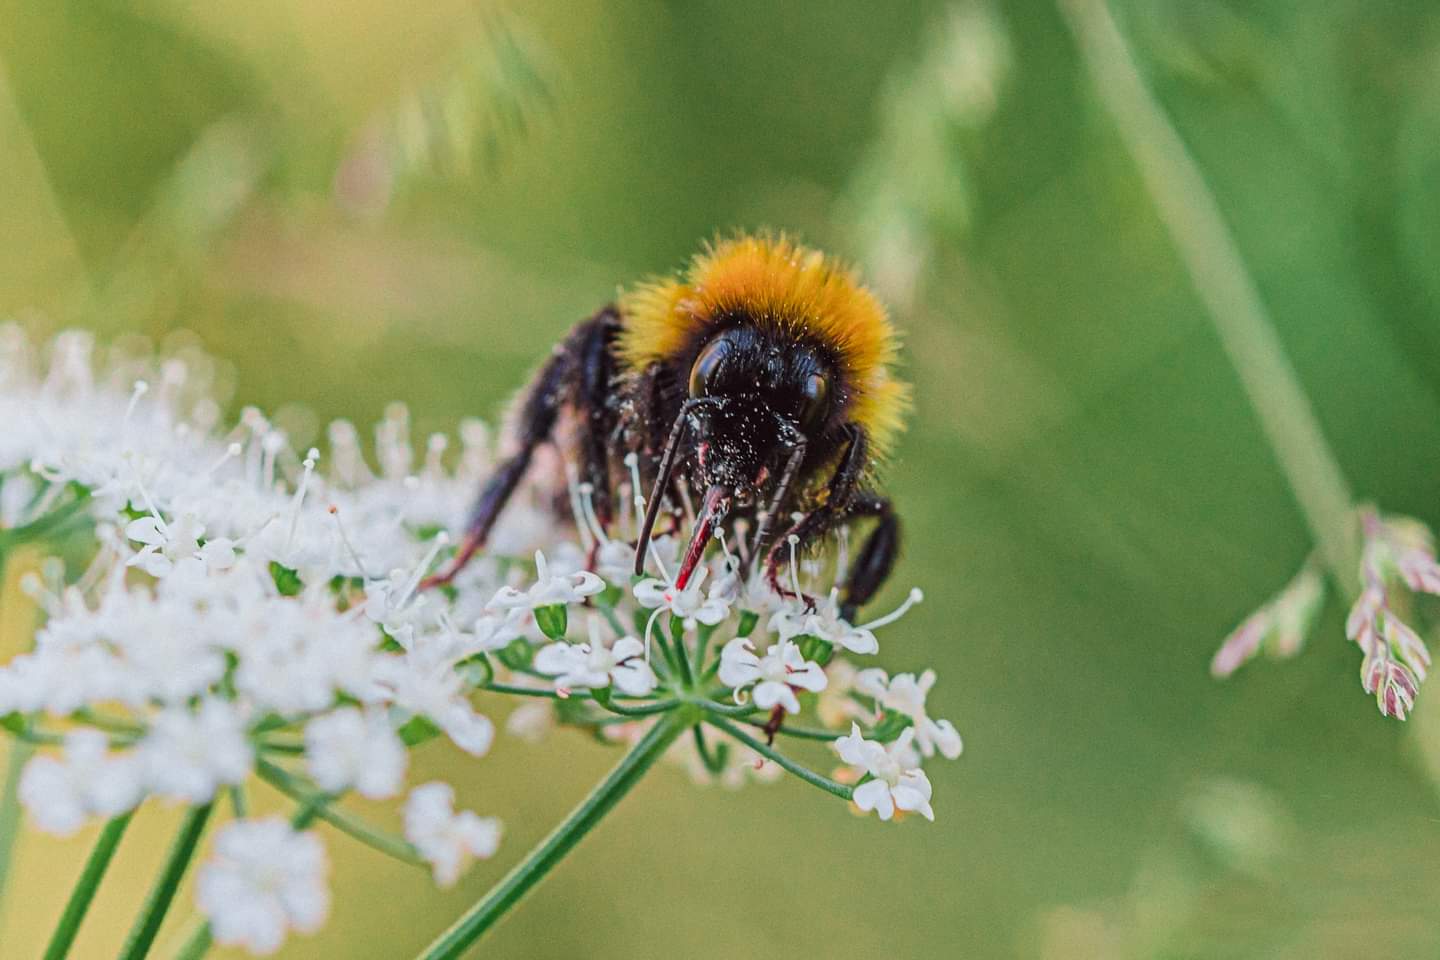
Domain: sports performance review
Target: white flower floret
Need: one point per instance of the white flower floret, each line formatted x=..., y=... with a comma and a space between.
x=424, y=681
x=300, y=651
x=898, y=783
x=835, y=706
x=794, y=619
x=775, y=676
x=445, y=838
x=348, y=749
x=586, y=666
x=824, y=621
x=906, y=694
x=166, y=544
x=495, y=631
x=264, y=880
x=87, y=780
x=188, y=755
x=394, y=602
x=692, y=605
x=531, y=720
x=615, y=561
x=550, y=587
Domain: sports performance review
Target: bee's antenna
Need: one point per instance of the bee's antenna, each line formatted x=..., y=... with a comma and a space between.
x=662, y=481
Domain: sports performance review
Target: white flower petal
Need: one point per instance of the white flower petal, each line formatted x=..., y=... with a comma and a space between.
x=875, y=795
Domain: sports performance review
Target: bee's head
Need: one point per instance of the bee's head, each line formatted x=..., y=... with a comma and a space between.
x=754, y=398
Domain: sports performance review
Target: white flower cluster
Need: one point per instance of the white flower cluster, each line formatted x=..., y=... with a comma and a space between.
x=250, y=611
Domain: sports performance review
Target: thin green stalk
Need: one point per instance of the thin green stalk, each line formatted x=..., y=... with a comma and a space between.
x=86, y=886
x=800, y=733
x=50, y=738
x=645, y=710
x=46, y=524
x=804, y=773
x=547, y=692
x=702, y=644
x=17, y=755
x=677, y=633
x=157, y=904
x=200, y=941
x=726, y=709
x=518, y=882
x=346, y=823
x=197, y=942
x=1210, y=255
x=714, y=762
x=108, y=723
x=667, y=658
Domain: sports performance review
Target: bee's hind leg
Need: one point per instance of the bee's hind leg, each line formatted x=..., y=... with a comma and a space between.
x=876, y=559
x=578, y=371
x=595, y=386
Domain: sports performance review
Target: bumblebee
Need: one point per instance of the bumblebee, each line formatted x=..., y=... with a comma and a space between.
x=761, y=377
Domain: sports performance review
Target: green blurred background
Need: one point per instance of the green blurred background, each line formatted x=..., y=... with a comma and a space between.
x=367, y=201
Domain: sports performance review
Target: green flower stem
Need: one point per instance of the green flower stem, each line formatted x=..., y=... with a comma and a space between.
x=667, y=658
x=726, y=709
x=108, y=723
x=1210, y=255
x=272, y=723
x=714, y=762
x=518, y=882
x=84, y=892
x=198, y=942
x=314, y=805
x=182, y=851
x=702, y=643
x=46, y=524
x=17, y=756
x=804, y=773
x=645, y=710
x=547, y=692
x=682, y=658
x=800, y=733
x=644, y=706
x=352, y=826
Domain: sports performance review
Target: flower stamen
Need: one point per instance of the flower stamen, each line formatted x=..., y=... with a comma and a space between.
x=916, y=595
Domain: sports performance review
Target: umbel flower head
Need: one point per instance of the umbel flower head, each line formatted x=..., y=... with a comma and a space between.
x=252, y=611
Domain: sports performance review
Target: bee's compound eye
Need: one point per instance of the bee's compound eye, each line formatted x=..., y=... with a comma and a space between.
x=815, y=394
x=705, y=366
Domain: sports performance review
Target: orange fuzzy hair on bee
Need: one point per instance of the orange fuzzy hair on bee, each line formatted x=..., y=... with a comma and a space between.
x=783, y=286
